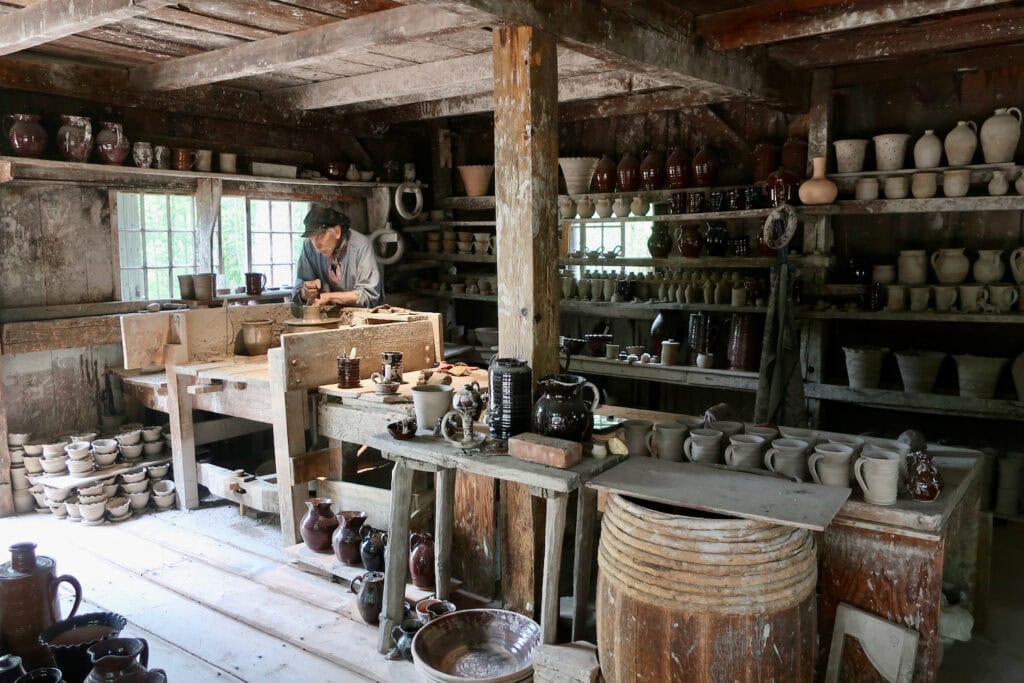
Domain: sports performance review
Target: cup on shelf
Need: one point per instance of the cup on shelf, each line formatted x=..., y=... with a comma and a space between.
x=972, y=298
x=877, y=472
x=945, y=298
x=924, y=185
x=788, y=457
x=956, y=183
x=704, y=445
x=896, y=298
x=920, y=298
x=866, y=189
x=1003, y=297
x=897, y=187
x=829, y=465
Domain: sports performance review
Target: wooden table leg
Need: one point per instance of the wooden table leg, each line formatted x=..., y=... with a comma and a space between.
x=586, y=513
x=554, y=531
x=396, y=564
x=444, y=504
x=183, y=442
x=287, y=409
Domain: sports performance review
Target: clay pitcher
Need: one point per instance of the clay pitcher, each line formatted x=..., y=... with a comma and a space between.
x=372, y=548
x=421, y=559
x=999, y=135
x=345, y=539
x=318, y=524
x=112, y=146
x=26, y=135
x=28, y=603
x=119, y=659
x=369, y=589
x=1017, y=265
x=75, y=138
x=561, y=411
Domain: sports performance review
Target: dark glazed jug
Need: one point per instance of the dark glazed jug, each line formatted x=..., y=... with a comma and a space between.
x=26, y=135
x=604, y=175
x=345, y=539
x=29, y=604
x=372, y=548
x=924, y=481
x=629, y=173
x=318, y=524
x=10, y=668
x=659, y=244
x=677, y=170
x=421, y=559
x=119, y=660
x=561, y=411
x=510, y=383
x=403, y=634
x=705, y=168
x=369, y=589
x=652, y=171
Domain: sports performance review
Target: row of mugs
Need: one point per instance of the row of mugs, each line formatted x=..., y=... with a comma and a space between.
x=973, y=298
x=475, y=247
x=921, y=185
x=146, y=155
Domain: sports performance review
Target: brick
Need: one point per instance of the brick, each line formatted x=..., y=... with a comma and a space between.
x=545, y=450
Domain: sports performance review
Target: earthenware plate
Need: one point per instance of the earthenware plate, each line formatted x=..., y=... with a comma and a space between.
x=483, y=645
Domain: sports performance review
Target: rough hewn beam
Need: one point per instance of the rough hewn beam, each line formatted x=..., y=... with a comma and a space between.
x=771, y=22
x=51, y=20
x=628, y=104
x=303, y=48
x=589, y=27
x=951, y=33
x=977, y=59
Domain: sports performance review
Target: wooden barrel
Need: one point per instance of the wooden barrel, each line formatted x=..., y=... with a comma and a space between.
x=687, y=598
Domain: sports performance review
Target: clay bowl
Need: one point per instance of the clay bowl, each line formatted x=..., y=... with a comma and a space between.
x=153, y=447
x=403, y=430
x=152, y=433
x=39, y=494
x=92, y=512
x=17, y=438
x=81, y=466
x=163, y=502
x=110, y=490
x=492, y=645
x=33, y=464
x=164, y=487
x=132, y=477
x=54, y=450
x=104, y=446
x=157, y=471
x=87, y=437
x=91, y=490
x=135, y=487
x=131, y=452
x=104, y=459
x=59, y=510
x=118, y=507
x=78, y=450
x=487, y=336
x=129, y=438
x=33, y=449
x=72, y=506
x=386, y=388
x=54, y=465
x=572, y=345
x=92, y=500
x=69, y=640
x=139, y=500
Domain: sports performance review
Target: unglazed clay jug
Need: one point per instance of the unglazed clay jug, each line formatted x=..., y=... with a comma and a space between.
x=1017, y=265
x=318, y=524
x=960, y=143
x=561, y=411
x=371, y=550
x=28, y=603
x=912, y=266
x=924, y=481
x=345, y=539
x=119, y=660
x=951, y=266
x=999, y=135
x=989, y=267
x=928, y=151
x=112, y=146
x=74, y=139
x=421, y=559
x=819, y=189
x=25, y=135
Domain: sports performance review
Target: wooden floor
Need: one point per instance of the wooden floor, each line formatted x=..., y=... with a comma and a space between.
x=213, y=594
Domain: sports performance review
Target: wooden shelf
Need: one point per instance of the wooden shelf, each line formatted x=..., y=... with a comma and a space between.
x=1019, y=519
x=907, y=316
x=669, y=374
x=677, y=217
x=855, y=207
x=490, y=298
x=469, y=203
x=642, y=311
x=462, y=258
x=733, y=262
x=980, y=173
x=938, y=404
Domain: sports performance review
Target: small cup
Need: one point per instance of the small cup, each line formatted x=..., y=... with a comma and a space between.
x=896, y=298
x=945, y=298
x=227, y=162
x=919, y=299
x=788, y=457
x=636, y=436
x=611, y=351
x=866, y=189
x=897, y=187
x=956, y=183
x=705, y=360
x=924, y=185
x=665, y=440
x=972, y=298
x=745, y=450
x=1003, y=297
x=877, y=472
x=739, y=297
x=704, y=445
x=829, y=465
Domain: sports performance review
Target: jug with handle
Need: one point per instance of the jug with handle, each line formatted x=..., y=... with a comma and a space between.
x=120, y=659
x=1017, y=265
x=561, y=411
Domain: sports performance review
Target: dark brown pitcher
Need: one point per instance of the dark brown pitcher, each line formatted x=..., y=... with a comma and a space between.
x=345, y=539
x=184, y=159
x=254, y=283
x=421, y=559
x=119, y=660
x=318, y=524
x=29, y=604
x=370, y=591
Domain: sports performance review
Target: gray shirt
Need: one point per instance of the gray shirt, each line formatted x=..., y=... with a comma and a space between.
x=359, y=271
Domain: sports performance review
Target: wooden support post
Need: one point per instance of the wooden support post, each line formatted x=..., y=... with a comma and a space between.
x=554, y=532
x=396, y=555
x=526, y=182
x=6, y=489
x=586, y=514
x=286, y=409
x=444, y=504
x=208, y=194
x=183, y=442
x=440, y=160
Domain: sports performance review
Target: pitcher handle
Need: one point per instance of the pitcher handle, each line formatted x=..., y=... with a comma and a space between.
x=352, y=585
x=688, y=448
x=195, y=158
x=934, y=259
x=973, y=126
x=857, y=467
x=444, y=427
x=811, y=465
x=1010, y=110
x=263, y=280
x=597, y=396
x=1014, y=297
x=144, y=655
x=393, y=636
x=652, y=443
x=73, y=582
x=769, y=459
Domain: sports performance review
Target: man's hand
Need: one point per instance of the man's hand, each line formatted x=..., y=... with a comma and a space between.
x=310, y=289
x=329, y=298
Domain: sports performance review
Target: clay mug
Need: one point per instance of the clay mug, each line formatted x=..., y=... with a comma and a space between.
x=369, y=588
x=254, y=283
x=919, y=298
x=142, y=154
x=972, y=297
x=897, y=187
x=956, y=183
x=204, y=160
x=769, y=433
x=739, y=296
x=923, y=185
x=704, y=445
x=854, y=442
x=866, y=189
x=745, y=450
x=636, y=436
x=945, y=297
x=830, y=464
x=611, y=351
x=665, y=440
x=161, y=157
x=877, y=472
x=788, y=457
x=897, y=298
x=227, y=162
x=184, y=159
x=1003, y=297
x=431, y=402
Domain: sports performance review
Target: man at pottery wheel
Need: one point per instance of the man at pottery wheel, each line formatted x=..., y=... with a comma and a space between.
x=337, y=264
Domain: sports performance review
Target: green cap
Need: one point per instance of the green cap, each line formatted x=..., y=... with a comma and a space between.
x=320, y=218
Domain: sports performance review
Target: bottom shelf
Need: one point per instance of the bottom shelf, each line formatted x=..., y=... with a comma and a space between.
x=686, y=375
x=938, y=404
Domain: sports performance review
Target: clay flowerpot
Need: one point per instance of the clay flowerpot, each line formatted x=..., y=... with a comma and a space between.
x=890, y=150
x=25, y=135
x=652, y=171
x=919, y=370
x=628, y=172
x=578, y=172
x=345, y=539
x=794, y=157
x=850, y=155
x=819, y=189
x=705, y=168
x=605, y=175
x=476, y=179
x=978, y=375
x=74, y=138
x=421, y=559
x=257, y=335
x=960, y=143
x=318, y=524
x=112, y=146
x=864, y=365
x=999, y=135
x=677, y=169
x=928, y=151
x=766, y=160
x=951, y=266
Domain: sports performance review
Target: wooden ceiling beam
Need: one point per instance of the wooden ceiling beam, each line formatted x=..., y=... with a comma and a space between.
x=588, y=27
x=51, y=20
x=628, y=104
x=976, y=59
x=772, y=22
x=304, y=48
x=961, y=31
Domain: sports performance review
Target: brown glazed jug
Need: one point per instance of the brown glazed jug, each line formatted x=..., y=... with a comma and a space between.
x=345, y=540
x=705, y=168
x=421, y=559
x=120, y=660
x=112, y=147
x=629, y=173
x=677, y=169
x=605, y=174
x=369, y=589
x=26, y=135
x=743, y=349
x=318, y=524
x=29, y=604
x=74, y=138
x=652, y=171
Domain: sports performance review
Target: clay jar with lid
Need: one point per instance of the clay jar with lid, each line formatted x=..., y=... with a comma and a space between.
x=705, y=168
x=628, y=172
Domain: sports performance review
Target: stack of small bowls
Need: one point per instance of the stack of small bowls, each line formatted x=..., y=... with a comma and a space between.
x=104, y=452
x=55, y=500
x=92, y=501
x=80, y=459
x=153, y=440
x=163, y=493
x=23, y=501
x=131, y=444
x=55, y=460
x=135, y=486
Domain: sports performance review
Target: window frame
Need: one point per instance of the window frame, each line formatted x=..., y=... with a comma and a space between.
x=138, y=214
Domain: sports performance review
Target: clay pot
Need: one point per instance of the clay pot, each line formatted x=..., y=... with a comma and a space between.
x=919, y=370
x=705, y=168
x=978, y=375
x=999, y=135
x=819, y=189
x=659, y=244
x=782, y=187
x=743, y=350
x=951, y=266
x=766, y=160
x=928, y=151
x=112, y=146
x=476, y=179
x=421, y=559
x=345, y=539
x=318, y=524
x=628, y=173
x=912, y=267
x=578, y=172
x=370, y=591
x=119, y=660
x=924, y=482
x=960, y=143
x=372, y=548
x=716, y=238
x=605, y=175
x=689, y=240
x=864, y=365
x=74, y=138
x=69, y=641
x=26, y=135
x=999, y=184
x=652, y=171
x=890, y=150
x=257, y=335
x=677, y=169
x=989, y=267
x=850, y=155
x=794, y=157
x=142, y=154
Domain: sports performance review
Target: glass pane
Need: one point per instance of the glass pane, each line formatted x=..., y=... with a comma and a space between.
x=129, y=210
x=260, y=248
x=282, y=248
x=282, y=275
x=159, y=284
x=232, y=212
x=279, y=216
x=156, y=250
x=175, y=272
x=260, y=209
x=133, y=285
x=155, y=213
x=297, y=244
x=183, y=249
x=129, y=244
x=232, y=241
x=182, y=213
x=299, y=211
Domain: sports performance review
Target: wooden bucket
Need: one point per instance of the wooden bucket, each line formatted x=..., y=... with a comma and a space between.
x=683, y=598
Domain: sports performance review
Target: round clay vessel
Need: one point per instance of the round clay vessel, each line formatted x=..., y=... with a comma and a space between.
x=689, y=240
x=112, y=146
x=819, y=189
x=69, y=640
x=74, y=138
x=951, y=265
x=890, y=150
x=924, y=481
x=705, y=168
x=989, y=267
x=850, y=155
x=371, y=550
x=370, y=591
x=345, y=539
x=659, y=244
x=652, y=171
x=605, y=175
x=577, y=172
x=421, y=559
x=960, y=143
x=928, y=151
x=677, y=169
x=628, y=172
x=476, y=179
x=26, y=135
x=1000, y=134
x=318, y=524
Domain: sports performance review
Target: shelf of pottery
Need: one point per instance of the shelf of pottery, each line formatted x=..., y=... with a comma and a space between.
x=92, y=480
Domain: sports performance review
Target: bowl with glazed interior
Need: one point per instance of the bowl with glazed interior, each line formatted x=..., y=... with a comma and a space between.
x=55, y=465
x=135, y=487
x=104, y=446
x=117, y=507
x=129, y=438
x=92, y=512
x=403, y=430
x=152, y=433
x=153, y=447
x=476, y=645
x=132, y=477
x=104, y=459
x=164, y=487
x=69, y=641
x=139, y=500
x=157, y=471
x=131, y=452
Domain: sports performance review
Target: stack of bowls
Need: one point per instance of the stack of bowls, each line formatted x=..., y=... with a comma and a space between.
x=33, y=454
x=54, y=499
x=104, y=452
x=135, y=486
x=80, y=459
x=130, y=443
x=74, y=514
x=118, y=509
x=152, y=433
x=163, y=493
x=23, y=501
x=153, y=448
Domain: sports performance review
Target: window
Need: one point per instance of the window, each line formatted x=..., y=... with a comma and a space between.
x=629, y=236
x=157, y=242
x=263, y=236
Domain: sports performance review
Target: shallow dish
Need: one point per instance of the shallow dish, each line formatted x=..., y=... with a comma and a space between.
x=492, y=645
x=157, y=471
x=131, y=477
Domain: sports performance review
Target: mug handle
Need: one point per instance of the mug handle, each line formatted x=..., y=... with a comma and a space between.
x=597, y=396
x=934, y=259
x=144, y=655
x=730, y=456
x=688, y=448
x=195, y=157
x=857, y=467
x=1014, y=297
x=652, y=444
x=352, y=585
x=982, y=297
x=73, y=582
x=812, y=466
x=375, y=377
x=263, y=281
x=769, y=459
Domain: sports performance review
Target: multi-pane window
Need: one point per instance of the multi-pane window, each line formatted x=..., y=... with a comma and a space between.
x=157, y=242
x=629, y=236
x=262, y=236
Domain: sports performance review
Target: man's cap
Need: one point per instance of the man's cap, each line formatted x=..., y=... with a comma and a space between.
x=321, y=217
